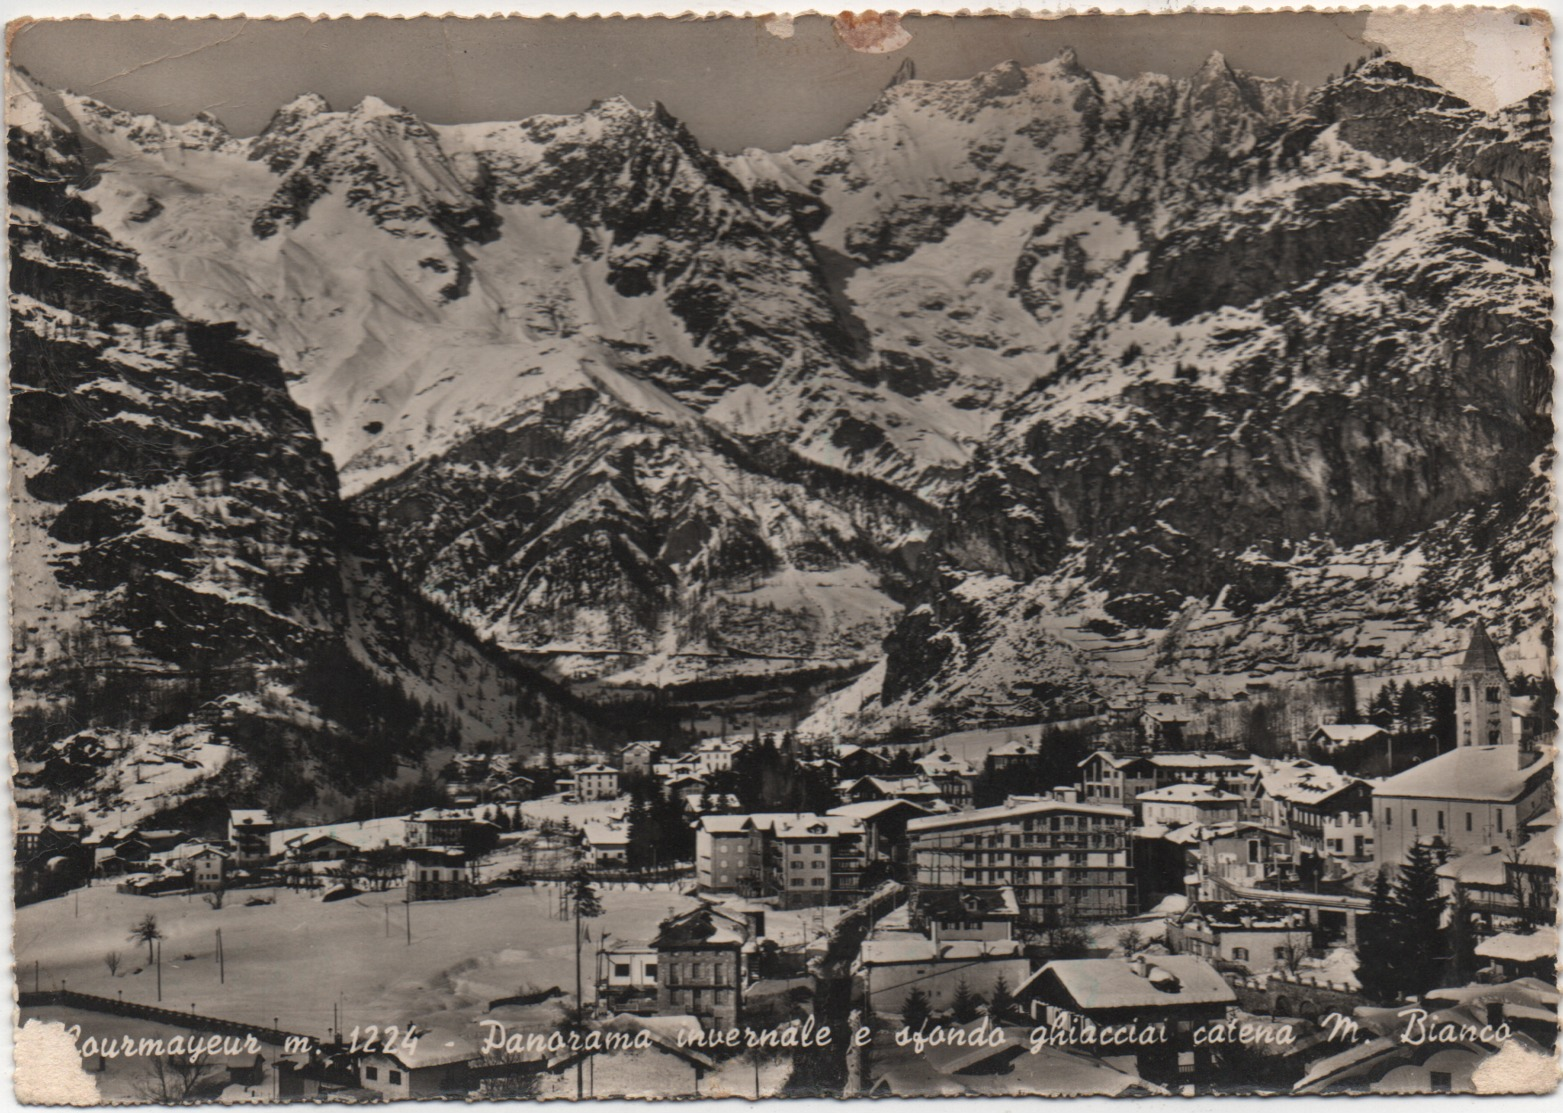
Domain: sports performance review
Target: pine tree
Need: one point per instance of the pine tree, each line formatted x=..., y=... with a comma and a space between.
x=966, y=1006
x=1377, y=946
x=1420, y=906
x=1002, y=1000
x=916, y=1010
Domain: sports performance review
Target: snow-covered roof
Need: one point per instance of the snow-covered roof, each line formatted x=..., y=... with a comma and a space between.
x=605, y=834
x=979, y=817
x=725, y=824
x=869, y=809
x=250, y=817
x=1541, y=849
x=1478, y=867
x=1188, y=794
x=1158, y=981
x=1490, y=773
x=1016, y=749
x=1198, y=760
x=818, y=827
x=1306, y=785
x=1342, y=733
x=1168, y=713
x=904, y=947
x=598, y=768
x=942, y=761
x=1511, y=947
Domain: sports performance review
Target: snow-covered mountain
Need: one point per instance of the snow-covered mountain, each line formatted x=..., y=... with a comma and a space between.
x=187, y=622
x=1052, y=377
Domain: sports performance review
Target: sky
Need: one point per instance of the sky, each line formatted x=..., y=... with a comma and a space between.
x=732, y=81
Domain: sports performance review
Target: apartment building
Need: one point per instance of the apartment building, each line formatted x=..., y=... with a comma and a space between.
x=804, y=858
x=1063, y=859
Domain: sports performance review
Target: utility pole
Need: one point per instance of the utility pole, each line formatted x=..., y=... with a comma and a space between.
x=159, y=969
x=408, y=905
x=580, y=1002
x=222, y=969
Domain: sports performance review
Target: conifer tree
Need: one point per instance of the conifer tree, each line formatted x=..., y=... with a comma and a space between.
x=916, y=1010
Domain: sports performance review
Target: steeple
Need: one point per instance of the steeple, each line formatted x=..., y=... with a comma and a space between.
x=1484, y=713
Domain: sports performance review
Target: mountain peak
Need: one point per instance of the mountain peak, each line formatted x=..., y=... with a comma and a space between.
x=372, y=106
x=308, y=104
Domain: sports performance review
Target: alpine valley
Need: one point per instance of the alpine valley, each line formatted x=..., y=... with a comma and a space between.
x=1021, y=391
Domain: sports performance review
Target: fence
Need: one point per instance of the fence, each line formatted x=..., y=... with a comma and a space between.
x=70, y=998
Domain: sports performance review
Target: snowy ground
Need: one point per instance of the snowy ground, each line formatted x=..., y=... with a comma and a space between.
x=658, y=1074
x=296, y=959
x=559, y=808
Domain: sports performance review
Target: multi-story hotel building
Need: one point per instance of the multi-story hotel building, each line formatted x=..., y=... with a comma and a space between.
x=1064, y=860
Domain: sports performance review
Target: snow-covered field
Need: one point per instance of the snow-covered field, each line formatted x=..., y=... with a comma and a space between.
x=294, y=960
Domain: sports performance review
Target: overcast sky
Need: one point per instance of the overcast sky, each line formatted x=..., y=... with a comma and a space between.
x=732, y=81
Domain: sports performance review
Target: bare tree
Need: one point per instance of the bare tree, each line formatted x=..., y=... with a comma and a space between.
x=216, y=897
x=172, y=1080
x=111, y=960
x=1131, y=941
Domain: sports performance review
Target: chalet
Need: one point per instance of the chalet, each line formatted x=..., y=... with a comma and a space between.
x=1014, y=755
x=917, y=789
x=639, y=757
x=249, y=833
x=884, y=826
x=607, y=845
x=1329, y=812
x=1174, y=995
x=1247, y=855
x=953, y=777
x=1330, y=737
x=207, y=868
x=1165, y=724
x=857, y=761
x=439, y=873
x=317, y=848
x=430, y=1067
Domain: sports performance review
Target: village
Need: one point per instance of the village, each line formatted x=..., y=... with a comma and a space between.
x=949, y=897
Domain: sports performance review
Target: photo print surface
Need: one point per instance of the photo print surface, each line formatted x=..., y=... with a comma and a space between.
x=780, y=558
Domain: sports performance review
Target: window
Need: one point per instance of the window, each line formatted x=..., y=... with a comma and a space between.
x=1492, y=695
x=818, y=849
x=819, y=865
x=1389, y=818
x=1440, y=821
x=621, y=969
x=1467, y=821
x=1240, y=953
x=1500, y=819
x=372, y=1074
x=1413, y=817
x=396, y=1077
x=1280, y=953
x=1465, y=693
x=1253, y=850
x=651, y=970
x=817, y=882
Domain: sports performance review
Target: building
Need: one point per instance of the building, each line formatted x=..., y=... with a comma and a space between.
x=207, y=867
x=639, y=757
x=627, y=978
x=1173, y=994
x=702, y=966
x=804, y=858
x=437, y=827
x=917, y=789
x=1469, y=798
x=953, y=777
x=1248, y=855
x=1333, y=736
x=1178, y=804
x=317, y=848
x=1329, y=812
x=967, y=915
x=1064, y=860
x=892, y=964
x=1250, y=936
x=607, y=845
x=884, y=827
x=852, y=762
x=439, y=873
x=249, y=833
x=1484, y=715
x=428, y=1067
x=596, y=782
x=1109, y=778
x=819, y=858
x=1165, y=724
x=715, y=755
x=1014, y=756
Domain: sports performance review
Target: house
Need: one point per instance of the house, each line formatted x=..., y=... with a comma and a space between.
x=917, y=789
x=432, y=1066
x=702, y=966
x=627, y=978
x=607, y=845
x=1247, y=855
x=1249, y=935
x=639, y=757
x=821, y=859
x=1466, y=799
x=696, y=804
x=1062, y=859
x=1484, y=713
x=1523, y=955
x=890, y=965
x=596, y=782
x=1333, y=736
x=1329, y=812
x=884, y=826
x=1480, y=879
x=249, y=833
x=728, y=855
x=1178, y=804
x=437, y=827
x=1172, y=995
x=950, y=775
x=1531, y=874
x=317, y=848
x=439, y=873
x=1109, y=778
x=1014, y=756
x=715, y=755
x=852, y=762
x=207, y=867
x=967, y=915
x=1165, y=724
